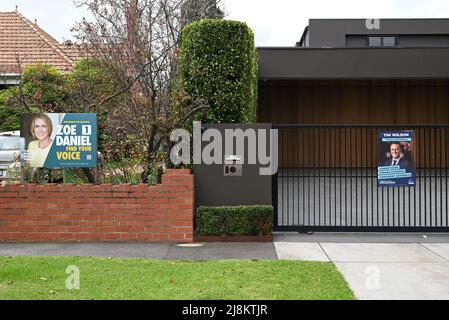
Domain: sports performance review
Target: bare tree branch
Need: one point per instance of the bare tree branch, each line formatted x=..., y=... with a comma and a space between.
x=139, y=40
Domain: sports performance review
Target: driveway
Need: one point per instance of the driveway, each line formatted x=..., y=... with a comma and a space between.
x=378, y=270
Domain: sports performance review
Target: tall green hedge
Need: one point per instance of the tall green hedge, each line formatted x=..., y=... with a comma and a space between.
x=219, y=63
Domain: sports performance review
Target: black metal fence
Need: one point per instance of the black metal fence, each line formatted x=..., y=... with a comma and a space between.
x=327, y=180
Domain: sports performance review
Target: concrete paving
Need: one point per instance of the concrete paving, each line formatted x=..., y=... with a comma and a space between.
x=380, y=271
x=440, y=249
x=365, y=237
x=207, y=251
x=220, y=251
x=379, y=252
x=397, y=281
x=300, y=251
x=125, y=250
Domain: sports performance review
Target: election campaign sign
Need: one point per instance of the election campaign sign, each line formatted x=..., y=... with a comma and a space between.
x=60, y=140
x=396, y=165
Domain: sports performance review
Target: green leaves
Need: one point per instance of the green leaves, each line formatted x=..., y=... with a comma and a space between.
x=9, y=116
x=219, y=63
x=43, y=87
x=234, y=221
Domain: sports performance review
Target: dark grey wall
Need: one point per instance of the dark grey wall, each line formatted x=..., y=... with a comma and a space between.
x=354, y=63
x=212, y=188
x=408, y=40
x=356, y=41
x=423, y=40
x=332, y=32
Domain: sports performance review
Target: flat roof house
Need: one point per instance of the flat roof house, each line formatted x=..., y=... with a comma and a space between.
x=342, y=72
x=345, y=81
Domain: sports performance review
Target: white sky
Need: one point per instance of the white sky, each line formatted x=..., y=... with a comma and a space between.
x=274, y=22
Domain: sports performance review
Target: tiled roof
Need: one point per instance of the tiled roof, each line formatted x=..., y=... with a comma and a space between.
x=22, y=40
x=74, y=51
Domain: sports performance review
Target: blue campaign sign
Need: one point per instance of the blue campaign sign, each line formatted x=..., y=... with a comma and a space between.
x=60, y=140
x=396, y=165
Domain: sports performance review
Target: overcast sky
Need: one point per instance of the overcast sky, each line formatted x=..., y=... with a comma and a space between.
x=275, y=22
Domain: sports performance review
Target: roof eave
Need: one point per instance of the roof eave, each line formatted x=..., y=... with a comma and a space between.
x=9, y=79
x=354, y=63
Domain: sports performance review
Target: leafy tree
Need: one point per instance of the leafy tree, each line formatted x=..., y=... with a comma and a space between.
x=193, y=10
x=41, y=89
x=9, y=117
x=139, y=41
x=45, y=89
x=132, y=83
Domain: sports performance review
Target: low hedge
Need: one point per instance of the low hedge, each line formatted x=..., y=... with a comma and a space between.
x=234, y=221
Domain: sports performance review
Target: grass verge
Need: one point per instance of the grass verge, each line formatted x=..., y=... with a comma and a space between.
x=102, y=278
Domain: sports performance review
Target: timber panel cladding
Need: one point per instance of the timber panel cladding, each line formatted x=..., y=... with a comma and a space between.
x=353, y=102
x=356, y=147
x=99, y=213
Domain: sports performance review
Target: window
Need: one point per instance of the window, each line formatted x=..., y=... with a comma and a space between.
x=389, y=41
x=375, y=41
x=381, y=41
x=9, y=143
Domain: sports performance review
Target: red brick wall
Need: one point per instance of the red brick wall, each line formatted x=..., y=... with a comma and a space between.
x=99, y=213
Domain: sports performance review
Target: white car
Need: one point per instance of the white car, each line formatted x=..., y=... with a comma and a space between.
x=9, y=151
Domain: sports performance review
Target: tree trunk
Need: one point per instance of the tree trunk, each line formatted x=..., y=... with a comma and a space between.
x=90, y=176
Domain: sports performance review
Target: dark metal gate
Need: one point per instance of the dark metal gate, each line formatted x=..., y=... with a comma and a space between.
x=327, y=181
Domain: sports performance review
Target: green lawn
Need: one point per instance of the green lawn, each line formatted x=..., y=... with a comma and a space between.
x=45, y=278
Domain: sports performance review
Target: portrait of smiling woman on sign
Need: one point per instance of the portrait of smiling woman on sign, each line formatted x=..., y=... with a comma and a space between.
x=60, y=140
x=41, y=128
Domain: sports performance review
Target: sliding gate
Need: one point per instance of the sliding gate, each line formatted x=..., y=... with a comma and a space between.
x=327, y=181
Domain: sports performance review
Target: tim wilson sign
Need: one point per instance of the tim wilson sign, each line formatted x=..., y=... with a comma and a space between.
x=396, y=165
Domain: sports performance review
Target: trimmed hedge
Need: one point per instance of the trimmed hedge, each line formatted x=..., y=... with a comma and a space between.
x=219, y=64
x=234, y=221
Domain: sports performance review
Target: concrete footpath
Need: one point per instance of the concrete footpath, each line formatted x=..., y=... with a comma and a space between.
x=206, y=251
x=376, y=266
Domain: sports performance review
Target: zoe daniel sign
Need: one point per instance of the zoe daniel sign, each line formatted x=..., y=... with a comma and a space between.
x=60, y=140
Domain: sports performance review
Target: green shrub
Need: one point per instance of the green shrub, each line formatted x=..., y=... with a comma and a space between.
x=219, y=64
x=234, y=221
x=9, y=116
x=43, y=85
